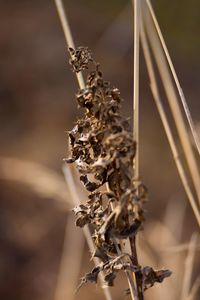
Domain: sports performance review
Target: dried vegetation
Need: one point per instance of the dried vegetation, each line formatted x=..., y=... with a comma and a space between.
x=103, y=149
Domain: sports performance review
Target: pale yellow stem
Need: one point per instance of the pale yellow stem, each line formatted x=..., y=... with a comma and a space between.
x=180, y=91
x=165, y=122
x=136, y=6
x=68, y=36
x=173, y=102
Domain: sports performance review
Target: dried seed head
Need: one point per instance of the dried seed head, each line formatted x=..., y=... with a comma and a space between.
x=103, y=148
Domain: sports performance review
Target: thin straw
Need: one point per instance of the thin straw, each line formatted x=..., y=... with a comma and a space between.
x=136, y=6
x=180, y=91
x=165, y=122
x=136, y=72
x=173, y=102
x=68, y=36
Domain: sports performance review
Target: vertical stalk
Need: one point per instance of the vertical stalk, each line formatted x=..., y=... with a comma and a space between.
x=136, y=7
x=173, y=101
x=180, y=91
x=156, y=97
x=68, y=36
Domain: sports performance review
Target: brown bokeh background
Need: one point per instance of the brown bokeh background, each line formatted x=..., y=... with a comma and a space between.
x=37, y=106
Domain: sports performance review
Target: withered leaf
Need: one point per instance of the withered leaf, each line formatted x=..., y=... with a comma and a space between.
x=80, y=58
x=127, y=231
x=114, y=181
x=109, y=278
x=80, y=209
x=92, y=276
x=101, y=253
x=82, y=220
x=150, y=277
x=91, y=186
x=70, y=160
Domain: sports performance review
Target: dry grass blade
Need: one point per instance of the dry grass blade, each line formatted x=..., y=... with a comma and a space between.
x=136, y=6
x=136, y=71
x=68, y=35
x=165, y=122
x=172, y=99
x=189, y=263
x=75, y=198
x=173, y=102
x=181, y=94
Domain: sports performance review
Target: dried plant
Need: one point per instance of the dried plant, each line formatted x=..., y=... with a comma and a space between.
x=103, y=148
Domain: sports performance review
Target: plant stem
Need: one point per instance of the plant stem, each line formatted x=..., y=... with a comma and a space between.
x=180, y=91
x=131, y=278
x=68, y=36
x=156, y=97
x=138, y=278
x=173, y=101
x=136, y=7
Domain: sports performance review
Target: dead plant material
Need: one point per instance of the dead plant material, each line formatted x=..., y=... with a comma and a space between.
x=102, y=145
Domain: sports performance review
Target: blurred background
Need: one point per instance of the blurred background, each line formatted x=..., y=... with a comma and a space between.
x=39, y=246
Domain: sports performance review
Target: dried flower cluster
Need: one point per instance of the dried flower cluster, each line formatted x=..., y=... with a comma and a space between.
x=103, y=148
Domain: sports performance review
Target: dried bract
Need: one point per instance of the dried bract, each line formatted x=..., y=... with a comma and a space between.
x=80, y=58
